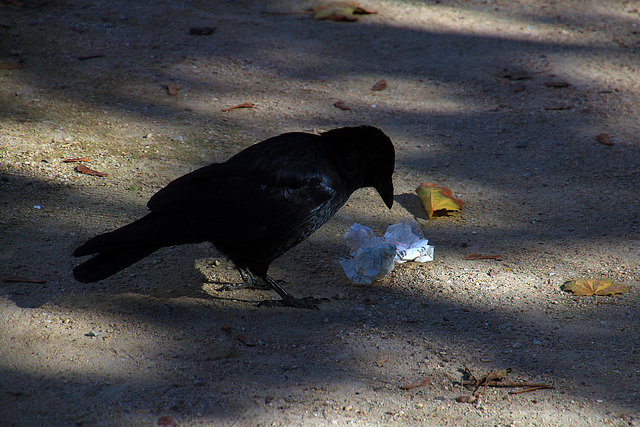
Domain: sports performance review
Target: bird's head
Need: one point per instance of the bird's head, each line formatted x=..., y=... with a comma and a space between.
x=367, y=158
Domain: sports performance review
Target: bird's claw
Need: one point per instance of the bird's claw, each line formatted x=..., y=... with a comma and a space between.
x=230, y=287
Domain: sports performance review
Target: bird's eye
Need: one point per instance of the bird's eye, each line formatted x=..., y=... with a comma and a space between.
x=288, y=194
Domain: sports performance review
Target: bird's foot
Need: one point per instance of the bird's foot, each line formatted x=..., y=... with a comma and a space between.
x=309, y=303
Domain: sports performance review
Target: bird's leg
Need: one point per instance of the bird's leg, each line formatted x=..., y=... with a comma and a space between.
x=288, y=300
x=265, y=282
x=249, y=281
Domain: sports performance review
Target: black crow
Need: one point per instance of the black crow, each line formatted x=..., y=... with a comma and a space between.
x=255, y=206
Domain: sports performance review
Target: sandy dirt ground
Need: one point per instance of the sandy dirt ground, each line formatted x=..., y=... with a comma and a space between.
x=501, y=101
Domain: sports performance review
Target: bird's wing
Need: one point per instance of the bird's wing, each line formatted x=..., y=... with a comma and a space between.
x=264, y=191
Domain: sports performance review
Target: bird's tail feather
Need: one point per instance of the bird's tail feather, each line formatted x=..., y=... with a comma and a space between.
x=151, y=230
x=127, y=245
x=108, y=263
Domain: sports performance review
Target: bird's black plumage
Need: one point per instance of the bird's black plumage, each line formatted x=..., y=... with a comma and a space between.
x=256, y=205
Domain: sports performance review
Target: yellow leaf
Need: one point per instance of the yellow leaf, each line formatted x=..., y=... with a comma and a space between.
x=587, y=287
x=339, y=11
x=435, y=198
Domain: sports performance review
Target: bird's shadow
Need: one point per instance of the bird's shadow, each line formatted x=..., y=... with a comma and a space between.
x=411, y=203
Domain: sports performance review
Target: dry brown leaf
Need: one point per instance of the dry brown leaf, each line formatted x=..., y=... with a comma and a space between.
x=339, y=11
x=557, y=107
x=518, y=87
x=90, y=56
x=598, y=287
x=244, y=339
x=166, y=420
x=9, y=65
x=243, y=105
x=604, y=139
x=466, y=399
x=172, y=88
x=557, y=83
x=380, y=85
x=514, y=72
x=14, y=3
x=341, y=105
x=418, y=383
x=201, y=31
x=87, y=171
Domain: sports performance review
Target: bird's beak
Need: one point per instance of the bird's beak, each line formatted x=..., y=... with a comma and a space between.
x=385, y=190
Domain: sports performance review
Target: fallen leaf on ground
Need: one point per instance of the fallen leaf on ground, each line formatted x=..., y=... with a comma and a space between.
x=380, y=85
x=14, y=3
x=557, y=83
x=341, y=105
x=9, y=65
x=76, y=159
x=166, y=420
x=480, y=256
x=201, y=31
x=604, y=139
x=340, y=11
x=87, y=171
x=518, y=87
x=418, y=383
x=466, y=399
x=21, y=279
x=243, y=105
x=514, y=73
x=90, y=56
x=557, y=107
x=172, y=88
x=244, y=339
x=599, y=287
x=437, y=199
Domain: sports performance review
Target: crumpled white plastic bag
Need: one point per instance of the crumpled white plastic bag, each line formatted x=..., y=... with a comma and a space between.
x=410, y=244
x=374, y=257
